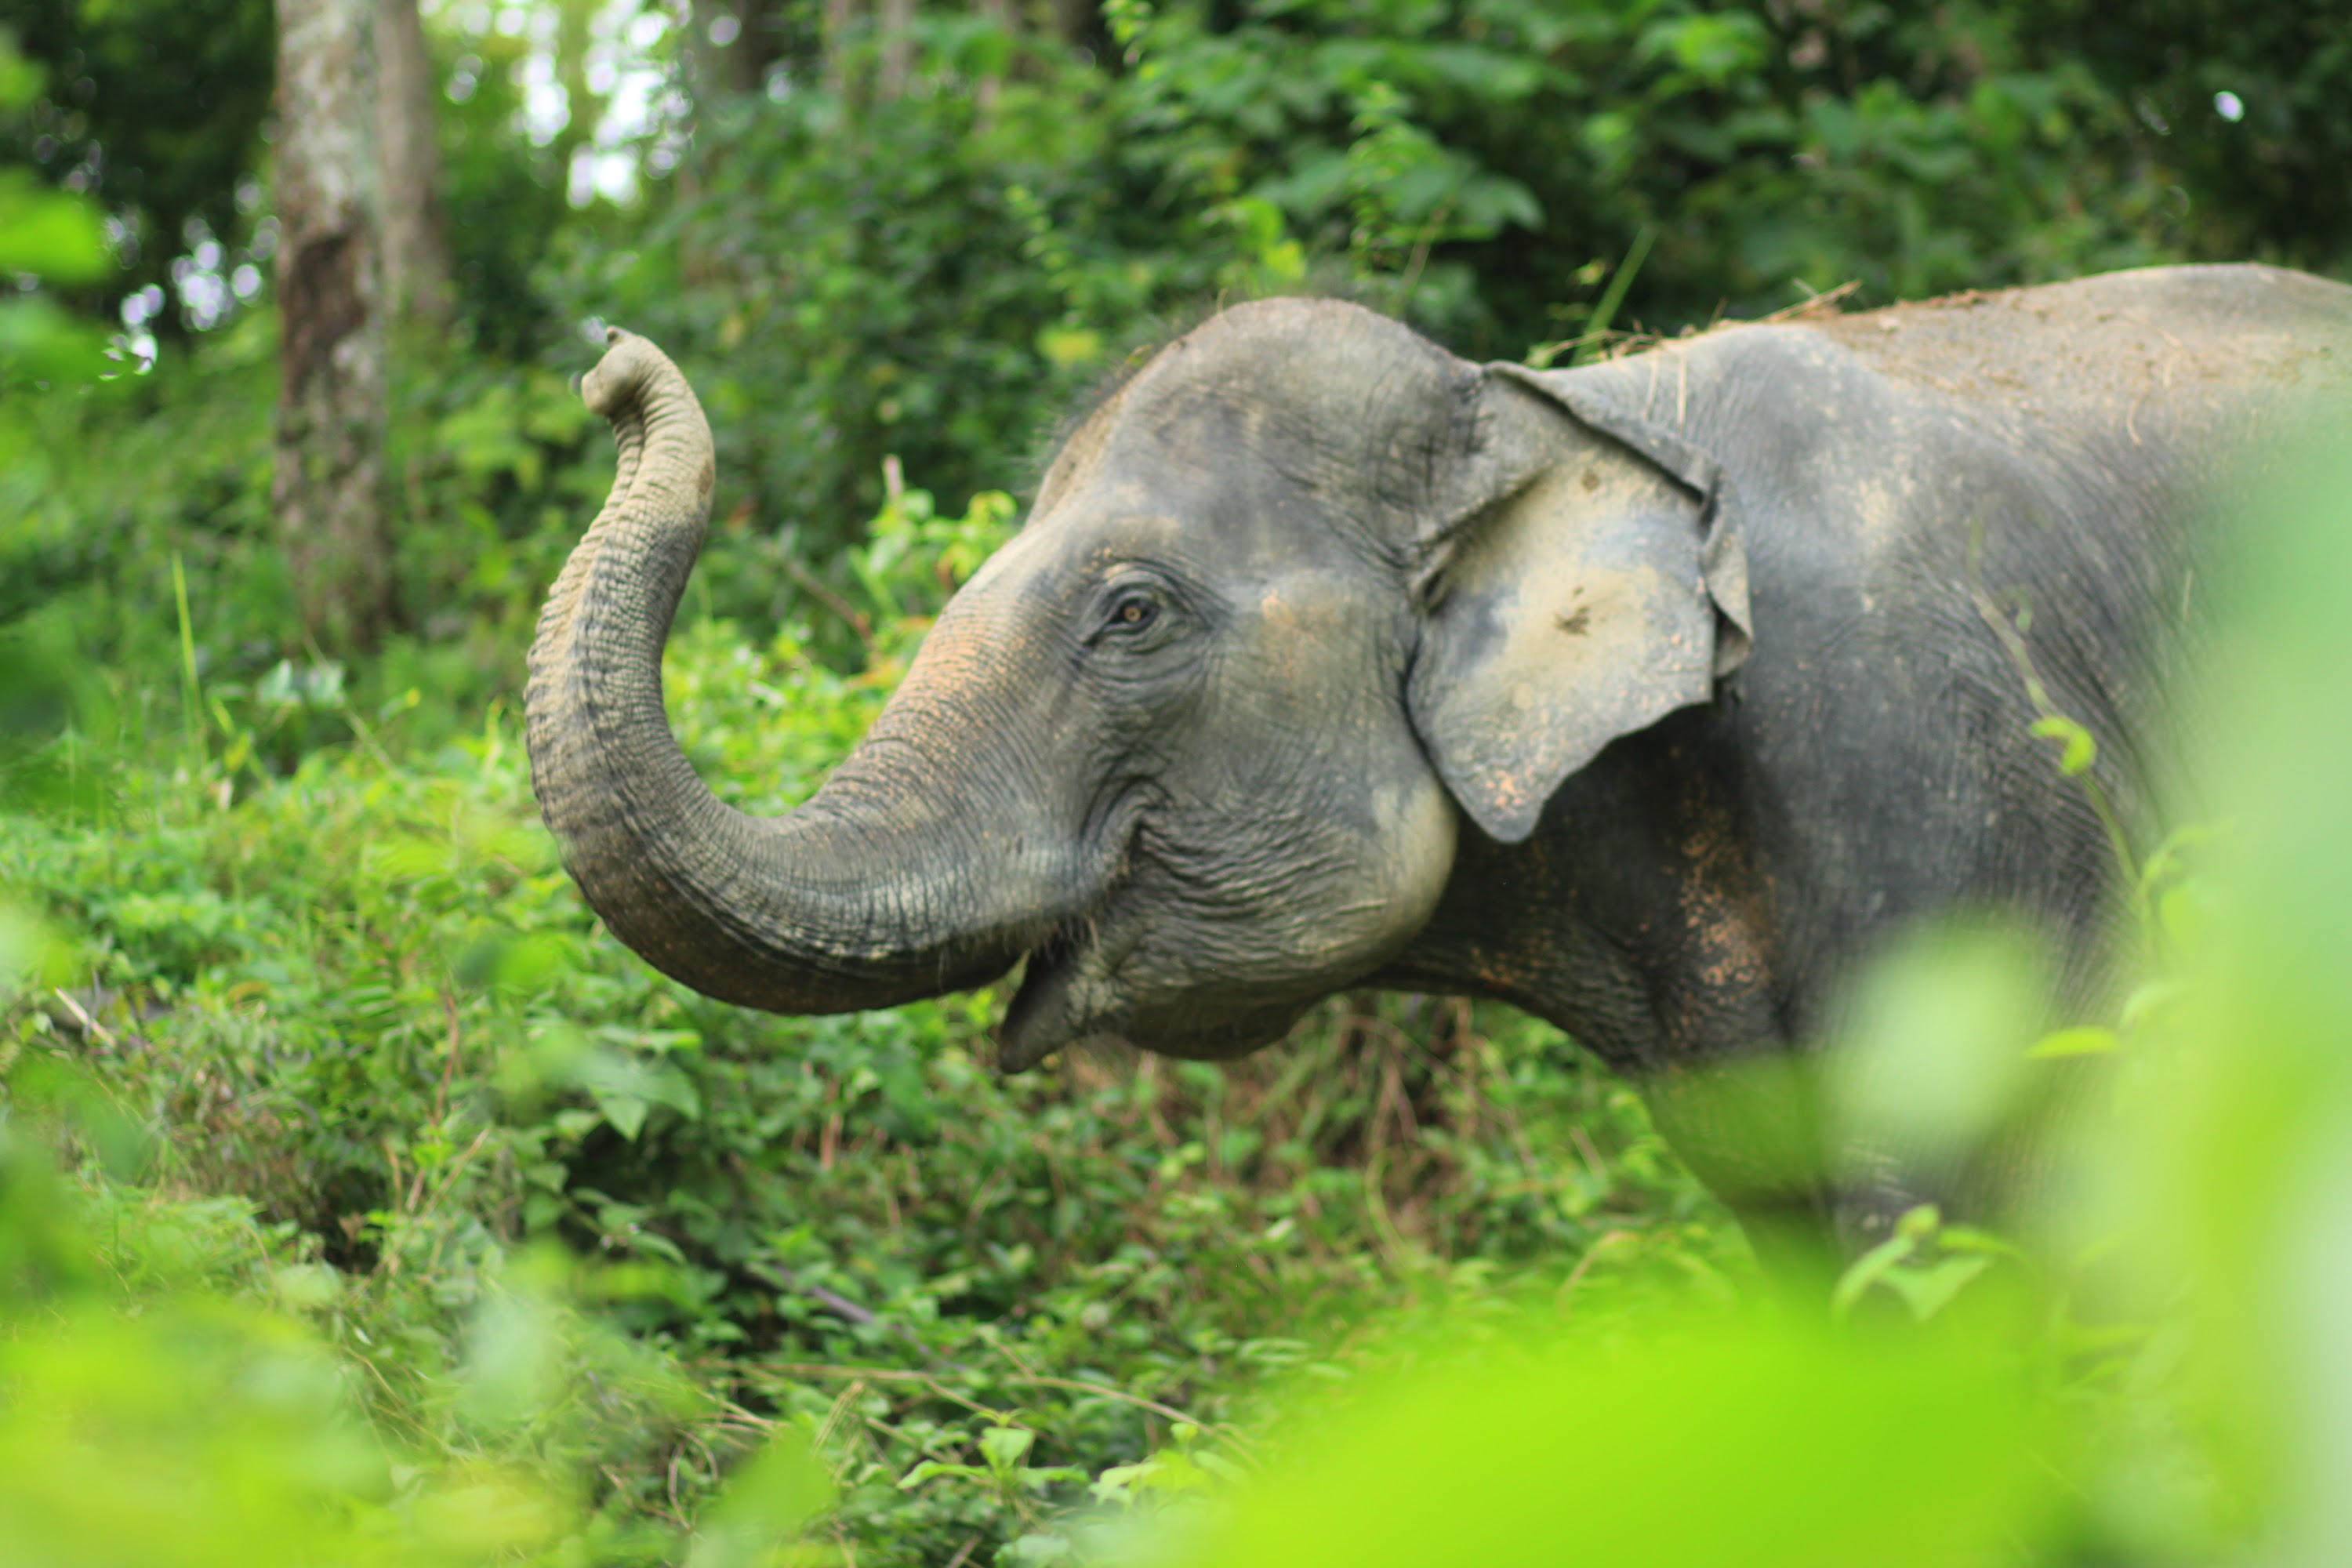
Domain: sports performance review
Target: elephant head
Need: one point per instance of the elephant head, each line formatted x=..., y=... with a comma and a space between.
x=1297, y=598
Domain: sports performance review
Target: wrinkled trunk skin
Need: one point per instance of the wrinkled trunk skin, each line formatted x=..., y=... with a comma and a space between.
x=876, y=892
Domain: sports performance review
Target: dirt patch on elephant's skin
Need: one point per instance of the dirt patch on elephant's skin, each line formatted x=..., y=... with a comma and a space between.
x=2125, y=341
x=2135, y=349
x=1727, y=934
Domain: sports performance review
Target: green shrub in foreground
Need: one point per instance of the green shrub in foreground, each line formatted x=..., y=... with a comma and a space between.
x=358, y=993
x=341, y=1075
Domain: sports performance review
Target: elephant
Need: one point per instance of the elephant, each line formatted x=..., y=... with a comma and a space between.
x=1649, y=695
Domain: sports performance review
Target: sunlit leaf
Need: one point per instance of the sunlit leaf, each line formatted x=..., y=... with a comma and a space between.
x=1576, y=1452
x=2084, y=1040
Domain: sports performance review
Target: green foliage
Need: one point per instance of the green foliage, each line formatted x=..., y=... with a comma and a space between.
x=1764, y=1443
x=1421, y=1285
x=939, y=279
x=47, y=237
x=186, y=1386
x=2243, y=105
x=503, y=197
x=361, y=1199
x=936, y=277
x=348, y=982
x=153, y=106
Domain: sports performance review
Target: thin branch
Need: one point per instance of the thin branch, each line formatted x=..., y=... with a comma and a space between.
x=1607, y=1240
x=89, y=1025
x=815, y=589
x=1420, y=257
x=842, y=1307
x=1812, y=304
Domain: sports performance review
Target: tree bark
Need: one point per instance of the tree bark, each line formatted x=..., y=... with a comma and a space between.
x=739, y=64
x=416, y=233
x=840, y=29
x=990, y=86
x=327, y=484
x=1076, y=20
x=895, y=21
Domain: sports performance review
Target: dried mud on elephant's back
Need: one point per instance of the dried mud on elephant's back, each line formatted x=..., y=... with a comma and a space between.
x=2011, y=346
x=2088, y=349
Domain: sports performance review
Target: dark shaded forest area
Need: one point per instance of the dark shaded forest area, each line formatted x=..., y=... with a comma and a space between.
x=363, y=1200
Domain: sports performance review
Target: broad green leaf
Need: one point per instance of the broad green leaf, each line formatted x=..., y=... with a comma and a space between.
x=1005, y=1446
x=1928, y=1290
x=1867, y=1270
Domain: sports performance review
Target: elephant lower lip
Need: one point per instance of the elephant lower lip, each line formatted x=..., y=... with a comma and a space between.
x=1065, y=999
x=1036, y=1023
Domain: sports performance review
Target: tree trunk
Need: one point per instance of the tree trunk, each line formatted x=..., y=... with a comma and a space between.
x=729, y=50
x=895, y=23
x=327, y=483
x=840, y=35
x=990, y=86
x=416, y=233
x=1076, y=20
x=583, y=110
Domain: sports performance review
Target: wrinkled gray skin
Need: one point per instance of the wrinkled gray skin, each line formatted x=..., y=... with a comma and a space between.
x=1644, y=695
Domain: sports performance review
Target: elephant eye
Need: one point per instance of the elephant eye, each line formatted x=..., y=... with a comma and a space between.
x=1133, y=613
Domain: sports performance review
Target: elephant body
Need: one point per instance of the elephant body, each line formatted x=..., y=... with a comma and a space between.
x=1648, y=696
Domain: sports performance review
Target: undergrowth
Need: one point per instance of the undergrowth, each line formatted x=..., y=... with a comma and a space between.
x=360, y=1200
x=372, y=1040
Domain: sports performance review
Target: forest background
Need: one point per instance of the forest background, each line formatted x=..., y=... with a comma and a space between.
x=361, y=1198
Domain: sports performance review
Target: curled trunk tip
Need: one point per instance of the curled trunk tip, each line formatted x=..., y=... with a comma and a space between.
x=628, y=369
x=848, y=903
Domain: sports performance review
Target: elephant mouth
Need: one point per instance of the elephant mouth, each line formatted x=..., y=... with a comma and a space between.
x=1065, y=997
x=1070, y=994
x=1110, y=974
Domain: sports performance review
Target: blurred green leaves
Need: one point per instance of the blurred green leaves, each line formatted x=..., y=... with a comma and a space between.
x=1936, y=1046
x=2240, y=1193
x=1761, y=1441
x=46, y=235
x=153, y=109
x=766, y=1504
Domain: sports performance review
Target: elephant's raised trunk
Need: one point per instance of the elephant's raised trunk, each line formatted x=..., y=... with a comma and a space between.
x=871, y=895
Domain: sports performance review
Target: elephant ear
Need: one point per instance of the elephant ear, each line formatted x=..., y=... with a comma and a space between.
x=1584, y=584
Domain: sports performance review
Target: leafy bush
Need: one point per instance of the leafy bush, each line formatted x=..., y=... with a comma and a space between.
x=361, y=1199
x=1421, y=1284
x=359, y=991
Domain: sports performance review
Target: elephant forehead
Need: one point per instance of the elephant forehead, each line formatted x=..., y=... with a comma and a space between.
x=1057, y=560
x=1214, y=517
